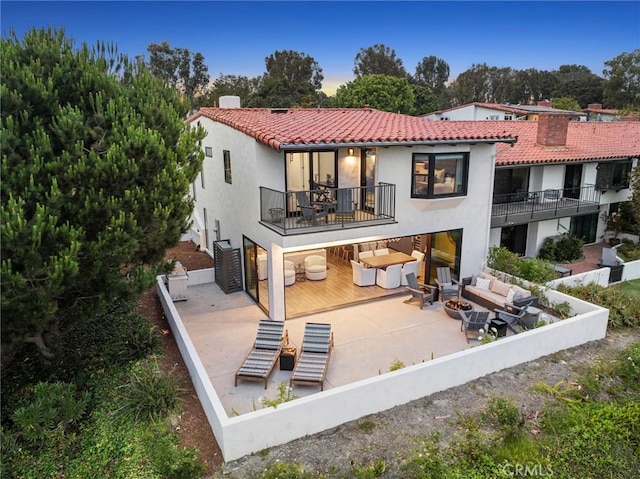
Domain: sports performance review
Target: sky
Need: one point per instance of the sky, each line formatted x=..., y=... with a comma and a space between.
x=236, y=37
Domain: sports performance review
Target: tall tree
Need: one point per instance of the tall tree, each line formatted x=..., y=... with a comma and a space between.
x=432, y=72
x=565, y=103
x=383, y=92
x=577, y=81
x=425, y=101
x=291, y=79
x=378, y=60
x=96, y=170
x=532, y=85
x=622, y=85
x=236, y=85
x=178, y=68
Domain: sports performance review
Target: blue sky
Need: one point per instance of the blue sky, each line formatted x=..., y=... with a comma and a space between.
x=235, y=37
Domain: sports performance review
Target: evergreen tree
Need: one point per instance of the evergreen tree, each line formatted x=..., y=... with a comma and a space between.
x=383, y=92
x=378, y=60
x=96, y=168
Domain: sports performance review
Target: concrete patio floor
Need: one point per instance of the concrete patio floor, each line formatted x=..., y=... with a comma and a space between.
x=368, y=338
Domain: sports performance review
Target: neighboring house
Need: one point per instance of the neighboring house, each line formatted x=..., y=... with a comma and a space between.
x=595, y=112
x=424, y=185
x=560, y=176
x=494, y=111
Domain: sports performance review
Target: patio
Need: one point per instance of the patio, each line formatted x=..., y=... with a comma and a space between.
x=368, y=339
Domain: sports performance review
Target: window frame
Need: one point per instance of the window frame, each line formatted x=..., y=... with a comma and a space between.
x=208, y=152
x=433, y=159
x=609, y=168
x=226, y=161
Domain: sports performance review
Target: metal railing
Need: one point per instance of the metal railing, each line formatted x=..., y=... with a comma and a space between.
x=527, y=205
x=296, y=212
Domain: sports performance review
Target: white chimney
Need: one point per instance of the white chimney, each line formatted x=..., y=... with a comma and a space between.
x=229, y=101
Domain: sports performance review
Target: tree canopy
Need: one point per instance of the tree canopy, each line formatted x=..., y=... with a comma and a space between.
x=622, y=88
x=96, y=168
x=378, y=60
x=383, y=92
x=291, y=79
x=178, y=68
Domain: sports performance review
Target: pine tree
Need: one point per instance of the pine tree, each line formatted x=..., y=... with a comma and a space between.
x=96, y=168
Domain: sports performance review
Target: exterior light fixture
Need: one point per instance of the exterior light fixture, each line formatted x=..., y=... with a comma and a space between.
x=350, y=152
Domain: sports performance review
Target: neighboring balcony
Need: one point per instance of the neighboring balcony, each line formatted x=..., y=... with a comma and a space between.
x=526, y=206
x=325, y=209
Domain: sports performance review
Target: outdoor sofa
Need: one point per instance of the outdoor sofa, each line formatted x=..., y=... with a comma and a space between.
x=488, y=291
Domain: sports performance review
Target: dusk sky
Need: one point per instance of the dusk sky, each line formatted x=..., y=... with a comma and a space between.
x=235, y=37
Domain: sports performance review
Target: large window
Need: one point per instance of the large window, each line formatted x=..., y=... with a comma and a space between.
x=437, y=175
x=508, y=181
x=226, y=155
x=613, y=175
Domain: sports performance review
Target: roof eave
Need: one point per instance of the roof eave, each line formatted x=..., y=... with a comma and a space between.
x=365, y=144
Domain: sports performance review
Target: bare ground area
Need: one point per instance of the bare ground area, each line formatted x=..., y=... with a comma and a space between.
x=388, y=435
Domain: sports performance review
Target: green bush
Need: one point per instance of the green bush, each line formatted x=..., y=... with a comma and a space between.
x=505, y=415
x=531, y=269
x=565, y=250
x=50, y=409
x=624, y=309
x=628, y=250
x=148, y=393
x=628, y=367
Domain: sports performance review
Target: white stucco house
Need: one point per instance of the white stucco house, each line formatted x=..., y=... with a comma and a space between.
x=479, y=111
x=424, y=185
x=560, y=176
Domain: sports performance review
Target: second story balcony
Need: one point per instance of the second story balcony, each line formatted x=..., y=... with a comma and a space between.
x=526, y=206
x=326, y=208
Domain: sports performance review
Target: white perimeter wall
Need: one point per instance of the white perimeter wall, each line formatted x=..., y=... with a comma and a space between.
x=252, y=432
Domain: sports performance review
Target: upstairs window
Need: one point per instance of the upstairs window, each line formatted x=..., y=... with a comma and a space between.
x=614, y=175
x=437, y=175
x=226, y=155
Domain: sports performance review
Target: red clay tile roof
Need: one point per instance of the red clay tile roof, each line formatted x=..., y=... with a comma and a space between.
x=585, y=141
x=308, y=127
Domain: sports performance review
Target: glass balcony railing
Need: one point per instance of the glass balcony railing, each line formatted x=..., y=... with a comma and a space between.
x=311, y=211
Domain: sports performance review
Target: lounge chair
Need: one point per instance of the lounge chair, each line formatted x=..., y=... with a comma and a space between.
x=311, y=368
x=423, y=293
x=474, y=323
x=513, y=316
x=449, y=287
x=265, y=352
x=311, y=210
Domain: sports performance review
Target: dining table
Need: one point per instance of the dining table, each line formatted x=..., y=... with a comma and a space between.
x=385, y=260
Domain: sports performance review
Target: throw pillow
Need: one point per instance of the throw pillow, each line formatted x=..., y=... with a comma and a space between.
x=483, y=284
x=511, y=295
x=521, y=293
x=474, y=280
x=500, y=287
x=446, y=286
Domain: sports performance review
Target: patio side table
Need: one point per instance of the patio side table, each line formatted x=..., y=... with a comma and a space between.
x=287, y=358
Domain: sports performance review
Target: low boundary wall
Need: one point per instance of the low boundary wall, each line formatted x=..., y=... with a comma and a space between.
x=252, y=432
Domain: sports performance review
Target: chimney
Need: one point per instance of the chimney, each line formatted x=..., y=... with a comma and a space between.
x=552, y=130
x=544, y=103
x=594, y=106
x=229, y=101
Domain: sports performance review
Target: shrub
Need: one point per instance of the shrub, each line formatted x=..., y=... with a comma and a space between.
x=624, y=309
x=49, y=408
x=531, y=269
x=628, y=250
x=505, y=414
x=566, y=249
x=285, y=470
x=148, y=393
x=628, y=366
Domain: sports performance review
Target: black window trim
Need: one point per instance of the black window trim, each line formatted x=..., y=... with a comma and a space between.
x=611, y=165
x=226, y=160
x=432, y=159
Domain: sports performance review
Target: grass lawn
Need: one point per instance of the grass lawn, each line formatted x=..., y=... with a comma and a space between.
x=631, y=287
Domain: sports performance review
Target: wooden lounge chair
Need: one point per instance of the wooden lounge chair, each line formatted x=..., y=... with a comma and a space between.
x=449, y=287
x=311, y=368
x=422, y=293
x=265, y=352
